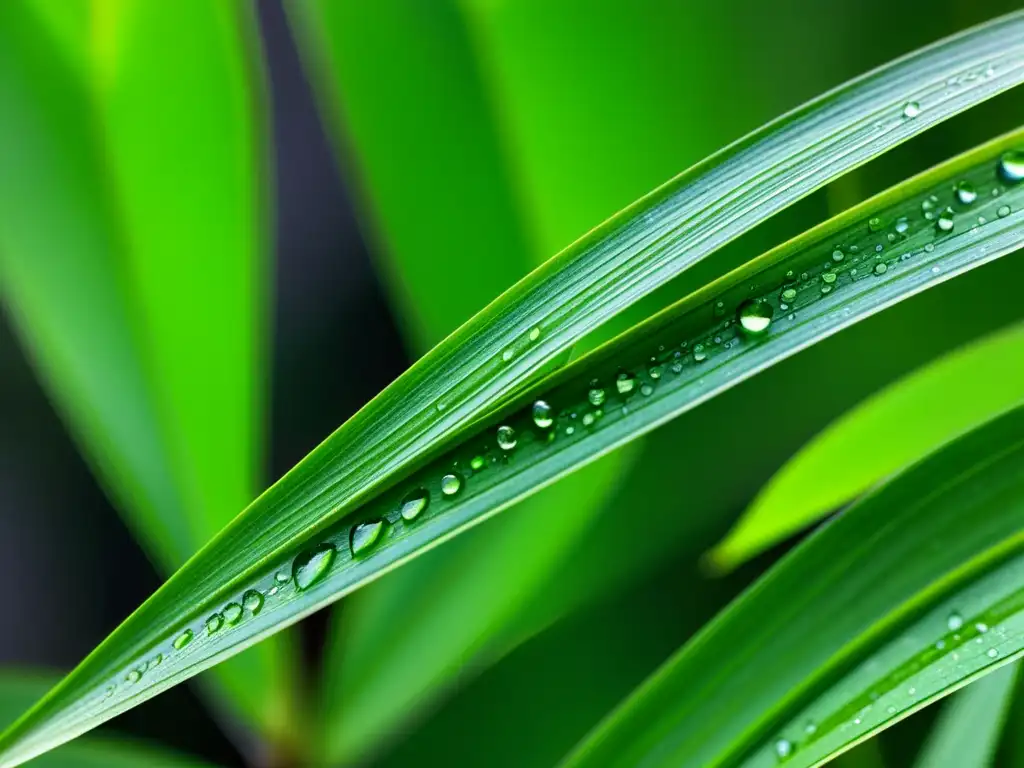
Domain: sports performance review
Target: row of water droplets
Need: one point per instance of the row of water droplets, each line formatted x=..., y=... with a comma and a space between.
x=542, y=423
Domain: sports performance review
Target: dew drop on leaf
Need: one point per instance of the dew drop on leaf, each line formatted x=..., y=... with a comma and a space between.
x=755, y=316
x=312, y=565
x=783, y=748
x=945, y=221
x=625, y=383
x=252, y=601
x=363, y=536
x=416, y=501
x=881, y=268
x=1003, y=211
x=232, y=613
x=596, y=396
x=214, y=623
x=954, y=622
x=282, y=578
x=542, y=414
x=1011, y=166
x=450, y=484
x=911, y=109
x=507, y=438
x=875, y=224
x=966, y=193
x=182, y=640
x=134, y=676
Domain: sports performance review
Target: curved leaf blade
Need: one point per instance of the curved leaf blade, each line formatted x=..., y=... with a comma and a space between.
x=889, y=431
x=503, y=349
x=855, y=629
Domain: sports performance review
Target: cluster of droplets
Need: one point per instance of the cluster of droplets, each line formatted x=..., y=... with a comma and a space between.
x=959, y=633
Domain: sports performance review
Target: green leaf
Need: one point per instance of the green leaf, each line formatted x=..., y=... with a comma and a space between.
x=855, y=629
x=504, y=348
x=889, y=431
x=133, y=260
x=19, y=690
x=968, y=730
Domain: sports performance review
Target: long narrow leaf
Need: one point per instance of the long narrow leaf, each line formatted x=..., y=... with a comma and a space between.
x=502, y=349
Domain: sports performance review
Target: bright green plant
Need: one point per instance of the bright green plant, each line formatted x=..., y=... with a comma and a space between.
x=893, y=605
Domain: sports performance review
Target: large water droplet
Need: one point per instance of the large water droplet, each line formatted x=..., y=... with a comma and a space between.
x=911, y=109
x=312, y=565
x=625, y=383
x=966, y=193
x=363, y=536
x=1003, y=212
x=595, y=396
x=282, y=577
x=214, y=623
x=881, y=268
x=507, y=438
x=783, y=748
x=755, y=316
x=252, y=601
x=954, y=622
x=542, y=414
x=1011, y=166
x=417, y=501
x=232, y=613
x=183, y=639
x=945, y=220
x=450, y=484
x=134, y=676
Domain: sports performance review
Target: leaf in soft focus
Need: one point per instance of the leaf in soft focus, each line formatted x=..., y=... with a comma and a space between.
x=967, y=732
x=20, y=689
x=889, y=431
x=134, y=261
x=305, y=523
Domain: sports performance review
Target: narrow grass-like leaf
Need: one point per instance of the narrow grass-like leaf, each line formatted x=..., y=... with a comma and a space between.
x=500, y=351
x=891, y=430
x=20, y=689
x=855, y=629
x=968, y=730
x=133, y=261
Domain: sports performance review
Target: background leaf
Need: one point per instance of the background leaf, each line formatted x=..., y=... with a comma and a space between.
x=133, y=260
x=891, y=430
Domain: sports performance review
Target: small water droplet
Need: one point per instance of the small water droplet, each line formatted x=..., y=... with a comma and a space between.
x=993, y=653
x=134, y=676
x=755, y=316
x=364, y=536
x=1011, y=166
x=534, y=334
x=837, y=255
x=507, y=355
x=1003, y=211
x=542, y=414
x=570, y=429
x=183, y=639
x=699, y=354
x=826, y=289
x=625, y=383
x=828, y=278
x=966, y=193
x=875, y=224
x=929, y=247
x=911, y=110
x=272, y=591
x=507, y=438
x=902, y=225
x=912, y=691
x=252, y=601
x=588, y=419
x=982, y=627
x=654, y=372
x=646, y=390
x=811, y=728
x=477, y=463
x=783, y=748
x=677, y=368
x=881, y=268
x=416, y=501
x=282, y=577
x=214, y=623
x=954, y=622
x=312, y=565
x=789, y=294
x=450, y=484
x=945, y=220
x=232, y=613
x=596, y=396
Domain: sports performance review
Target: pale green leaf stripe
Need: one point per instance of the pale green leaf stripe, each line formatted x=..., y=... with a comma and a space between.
x=857, y=628
x=892, y=429
x=967, y=732
x=468, y=375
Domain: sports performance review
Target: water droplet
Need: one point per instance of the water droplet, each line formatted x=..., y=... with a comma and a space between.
x=134, y=676
x=783, y=748
x=364, y=536
x=945, y=221
x=183, y=639
x=282, y=577
x=929, y=247
x=625, y=383
x=880, y=268
x=588, y=419
x=214, y=623
x=755, y=316
x=966, y=193
x=272, y=591
x=654, y=372
x=542, y=414
x=232, y=613
x=416, y=502
x=450, y=484
x=646, y=390
x=570, y=429
x=677, y=368
x=875, y=224
x=828, y=278
x=252, y=601
x=596, y=396
x=507, y=355
x=312, y=565
x=477, y=463
x=993, y=653
x=1011, y=166
x=699, y=354
x=535, y=334
x=811, y=728
x=837, y=255
x=1003, y=211
x=982, y=627
x=507, y=438
x=902, y=225
x=911, y=110
x=109, y=692
x=789, y=294
x=954, y=622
